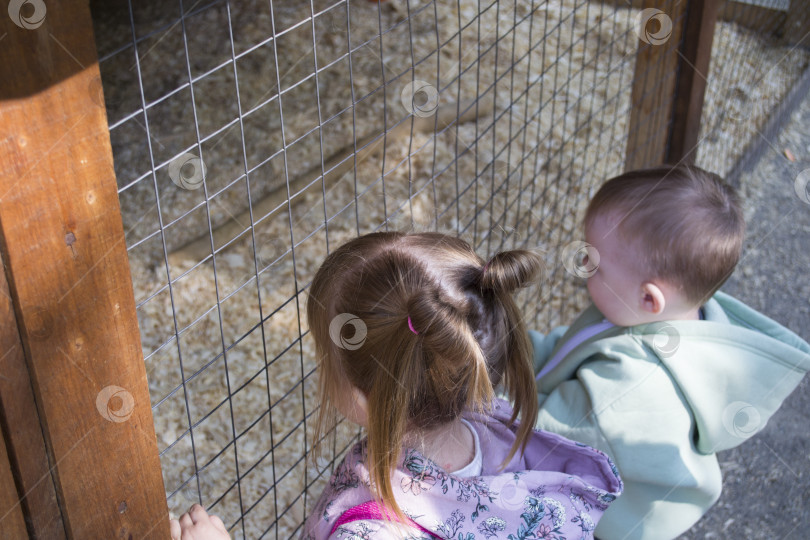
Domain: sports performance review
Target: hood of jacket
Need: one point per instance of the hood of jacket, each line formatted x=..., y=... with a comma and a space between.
x=734, y=368
x=554, y=486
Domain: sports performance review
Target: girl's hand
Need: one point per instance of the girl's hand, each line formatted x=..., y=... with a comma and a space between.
x=196, y=524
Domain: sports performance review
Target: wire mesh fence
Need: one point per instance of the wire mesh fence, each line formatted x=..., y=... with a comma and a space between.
x=252, y=137
x=747, y=80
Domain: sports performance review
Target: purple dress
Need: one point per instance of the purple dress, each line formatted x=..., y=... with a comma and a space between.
x=556, y=488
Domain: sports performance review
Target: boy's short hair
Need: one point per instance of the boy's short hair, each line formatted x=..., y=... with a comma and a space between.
x=686, y=223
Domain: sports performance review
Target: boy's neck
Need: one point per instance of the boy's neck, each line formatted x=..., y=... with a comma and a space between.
x=688, y=315
x=691, y=315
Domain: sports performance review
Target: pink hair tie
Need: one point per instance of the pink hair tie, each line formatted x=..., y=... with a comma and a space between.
x=410, y=325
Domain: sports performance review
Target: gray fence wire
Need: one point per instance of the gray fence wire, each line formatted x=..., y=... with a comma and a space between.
x=747, y=81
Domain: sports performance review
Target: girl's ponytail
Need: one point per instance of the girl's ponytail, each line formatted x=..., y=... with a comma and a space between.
x=502, y=275
x=431, y=369
x=455, y=366
x=389, y=396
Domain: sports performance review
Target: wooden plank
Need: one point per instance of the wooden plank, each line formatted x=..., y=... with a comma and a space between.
x=12, y=522
x=763, y=20
x=795, y=31
x=62, y=242
x=769, y=21
x=28, y=458
x=693, y=72
x=654, y=83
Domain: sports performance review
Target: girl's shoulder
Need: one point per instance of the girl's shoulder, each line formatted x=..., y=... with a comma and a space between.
x=545, y=452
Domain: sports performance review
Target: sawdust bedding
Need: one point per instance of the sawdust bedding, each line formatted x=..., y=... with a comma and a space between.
x=578, y=77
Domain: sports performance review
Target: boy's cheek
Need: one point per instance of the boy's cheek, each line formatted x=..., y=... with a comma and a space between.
x=594, y=292
x=591, y=286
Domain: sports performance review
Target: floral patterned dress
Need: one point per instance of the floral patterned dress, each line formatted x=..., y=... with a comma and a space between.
x=555, y=489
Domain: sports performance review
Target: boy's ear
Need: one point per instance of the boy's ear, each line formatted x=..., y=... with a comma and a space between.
x=652, y=298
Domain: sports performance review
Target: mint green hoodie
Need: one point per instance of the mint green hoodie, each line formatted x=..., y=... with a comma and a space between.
x=662, y=398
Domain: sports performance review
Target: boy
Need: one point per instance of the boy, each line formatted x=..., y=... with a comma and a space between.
x=662, y=371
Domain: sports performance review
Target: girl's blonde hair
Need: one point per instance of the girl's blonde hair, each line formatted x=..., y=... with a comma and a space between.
x=470, y=338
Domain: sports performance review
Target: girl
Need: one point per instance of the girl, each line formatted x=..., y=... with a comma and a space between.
x=413, y=332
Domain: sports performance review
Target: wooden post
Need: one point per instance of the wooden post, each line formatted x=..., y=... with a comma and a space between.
x=669, y=83
x=660, y=32
x=73, y=318
x=693, y=72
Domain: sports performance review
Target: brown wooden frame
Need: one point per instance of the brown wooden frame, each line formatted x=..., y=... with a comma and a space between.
x=75, y=460
x=74, y=402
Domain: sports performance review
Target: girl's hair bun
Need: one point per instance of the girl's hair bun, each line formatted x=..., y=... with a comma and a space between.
x=508, y=271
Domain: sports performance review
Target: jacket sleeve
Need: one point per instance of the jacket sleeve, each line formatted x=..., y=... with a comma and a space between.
x=543, y=345
x=630, y=409
x=567, y=411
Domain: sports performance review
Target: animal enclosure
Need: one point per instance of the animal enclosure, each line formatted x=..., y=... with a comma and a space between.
x=249, y=138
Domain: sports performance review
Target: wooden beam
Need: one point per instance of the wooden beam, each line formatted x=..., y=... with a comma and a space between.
x=693, y=72
x=654, y=82
x=62, y=242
